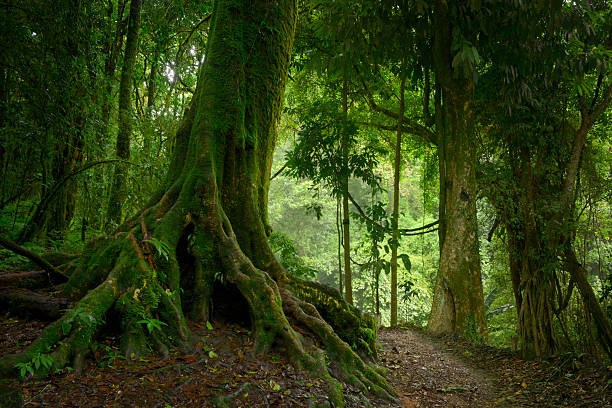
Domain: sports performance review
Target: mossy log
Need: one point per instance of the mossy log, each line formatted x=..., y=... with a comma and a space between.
x=30, y=279
x=25, y=303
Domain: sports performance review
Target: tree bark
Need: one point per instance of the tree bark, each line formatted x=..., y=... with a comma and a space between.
x=117, y=192
x=458, y=304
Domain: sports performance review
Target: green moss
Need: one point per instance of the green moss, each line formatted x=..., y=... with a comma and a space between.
x=355, y=328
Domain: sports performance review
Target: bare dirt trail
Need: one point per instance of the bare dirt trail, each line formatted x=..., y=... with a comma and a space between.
x=425, y=375
x=428, y=371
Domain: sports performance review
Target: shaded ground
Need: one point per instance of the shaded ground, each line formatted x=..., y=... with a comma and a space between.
x=426, y=372
x=443, y=372
x=426, y=376
x=221, y=366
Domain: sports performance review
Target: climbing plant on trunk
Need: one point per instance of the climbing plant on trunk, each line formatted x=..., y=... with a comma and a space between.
x=209, y=223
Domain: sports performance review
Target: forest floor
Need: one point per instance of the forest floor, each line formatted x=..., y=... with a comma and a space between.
x=426, y=372
x=430, y=371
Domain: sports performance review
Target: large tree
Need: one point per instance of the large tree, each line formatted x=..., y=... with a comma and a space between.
x=458, y=300
x=209, y=219
x=556, y=88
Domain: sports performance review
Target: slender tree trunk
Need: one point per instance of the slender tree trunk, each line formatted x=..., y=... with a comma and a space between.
x=377, y=292
x=112, y=49
x=348, y=284
x=395, y=222
x=151, y=94
x=117, y=192
x=339, y=237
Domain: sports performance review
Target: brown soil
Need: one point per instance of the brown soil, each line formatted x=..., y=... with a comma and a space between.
x=430, y=371
x=425, y=375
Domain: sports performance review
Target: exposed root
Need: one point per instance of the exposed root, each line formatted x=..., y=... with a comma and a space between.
x=352, y=326
x=132, y=290
x=270, y=307
x=136, y=280
x=348, y=365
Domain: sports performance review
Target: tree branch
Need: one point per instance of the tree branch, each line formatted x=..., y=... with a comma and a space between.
x=493, y=228
x=278, y=172
x=403, y=231
x=19, y=250
x=410, y=127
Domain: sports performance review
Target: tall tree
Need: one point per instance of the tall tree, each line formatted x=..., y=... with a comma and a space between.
x=395, y=215
x=117, y=192
x=436, y=36
x=208, y=218
x=541, y=130
x=458, y=299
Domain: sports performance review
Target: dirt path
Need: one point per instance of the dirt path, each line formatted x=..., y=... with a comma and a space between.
x=425, y=375
x=432, y=372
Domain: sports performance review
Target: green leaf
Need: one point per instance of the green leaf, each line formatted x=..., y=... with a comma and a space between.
x=212, y=354
x=274, y=385
x=152, y=324
x=162, y=248
x=406, y=261
x=208, y=325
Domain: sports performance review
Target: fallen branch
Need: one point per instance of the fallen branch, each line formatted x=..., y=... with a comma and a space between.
x=30, y=279
x=25, y=303
x=19, y=250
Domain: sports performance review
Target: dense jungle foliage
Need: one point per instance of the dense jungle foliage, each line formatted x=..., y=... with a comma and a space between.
x=444, y=164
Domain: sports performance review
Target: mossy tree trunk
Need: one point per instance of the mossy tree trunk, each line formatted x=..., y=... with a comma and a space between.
x=210, y=218
x=118, y=187
x=458, y=304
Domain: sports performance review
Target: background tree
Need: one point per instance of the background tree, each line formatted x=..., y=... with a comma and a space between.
x=49, y=104
x=117, y=192
x=543, y=124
